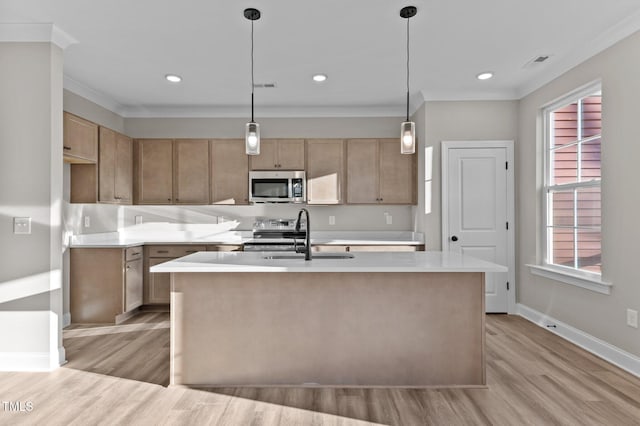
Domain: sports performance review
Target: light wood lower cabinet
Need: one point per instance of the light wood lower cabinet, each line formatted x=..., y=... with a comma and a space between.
x=157, y=286
x=105, y=283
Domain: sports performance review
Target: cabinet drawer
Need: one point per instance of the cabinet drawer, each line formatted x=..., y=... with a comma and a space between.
x=174, y=251
x=133, y=253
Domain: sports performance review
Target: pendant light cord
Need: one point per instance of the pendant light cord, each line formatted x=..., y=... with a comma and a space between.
x=252, y=85
x=408, y=19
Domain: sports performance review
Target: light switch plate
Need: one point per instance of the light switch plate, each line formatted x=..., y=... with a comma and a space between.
x=632, y=318
x=22, y=225
x=138, y=219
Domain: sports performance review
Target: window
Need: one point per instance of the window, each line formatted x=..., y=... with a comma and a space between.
x=573, y=129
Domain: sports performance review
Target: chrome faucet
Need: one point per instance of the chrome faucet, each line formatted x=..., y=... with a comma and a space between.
x=307, y=241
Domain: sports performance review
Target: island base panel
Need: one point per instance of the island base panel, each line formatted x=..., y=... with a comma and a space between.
x=327, y=329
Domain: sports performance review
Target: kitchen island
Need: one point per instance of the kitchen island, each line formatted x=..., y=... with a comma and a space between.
x=409, y=319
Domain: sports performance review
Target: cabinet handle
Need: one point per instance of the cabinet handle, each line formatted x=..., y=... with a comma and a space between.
x=68, y=148
x=136, y=254
x=128, y=267
x=162, y=251
x=191, y=251
x=168, y=199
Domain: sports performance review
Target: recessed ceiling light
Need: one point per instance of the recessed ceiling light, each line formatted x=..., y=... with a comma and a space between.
x=319, y=78
x=173, y=78
x=484, y=75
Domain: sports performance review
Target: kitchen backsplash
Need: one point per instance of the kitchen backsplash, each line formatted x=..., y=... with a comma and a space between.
x=108, y=218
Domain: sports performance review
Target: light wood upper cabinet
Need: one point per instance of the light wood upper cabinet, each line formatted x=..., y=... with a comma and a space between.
x=171, y=172
x=80, y=140
x=325, y=171
x=229, y=172
x=378, y=174
x=191, y=171
x=154, y=175
x=279, y=154
x=397, y=174
x=115, y=167
x=362, y=171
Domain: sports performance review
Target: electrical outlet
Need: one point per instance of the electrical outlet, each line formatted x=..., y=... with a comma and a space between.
x=332, y=220
x=22, y=225
x=138, y=220
x=632, y=318
x=389, y=219
x=87, y=222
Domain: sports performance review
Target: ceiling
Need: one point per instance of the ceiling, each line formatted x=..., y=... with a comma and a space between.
x=124, y=49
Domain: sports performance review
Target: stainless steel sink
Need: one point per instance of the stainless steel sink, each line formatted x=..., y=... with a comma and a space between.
x=314, y=257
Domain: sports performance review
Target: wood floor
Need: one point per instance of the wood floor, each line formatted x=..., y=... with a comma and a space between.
x=118, y=375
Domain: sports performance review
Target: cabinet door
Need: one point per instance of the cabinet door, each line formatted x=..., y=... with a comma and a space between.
x=268, y=158
x=159, y=284
x=80, y=140
x=362, y=171
x=290, y=154
x=229, y=172
x=155, y=171
x=397, y=174
x=133, y=285
x=191, y=171
x=114, y=167
x=325, y=171
x=123, y=169
x=107, y=166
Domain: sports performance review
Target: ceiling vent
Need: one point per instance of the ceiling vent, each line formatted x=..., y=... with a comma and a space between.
x=537, y=61
x=264, y=85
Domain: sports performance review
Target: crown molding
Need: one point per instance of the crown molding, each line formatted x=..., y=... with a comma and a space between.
x=44, y=32
x=94, y=96
x=263, y=111
x=580, y=54
x=474, y=95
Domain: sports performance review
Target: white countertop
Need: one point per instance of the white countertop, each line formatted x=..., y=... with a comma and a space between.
x=430, y=261
x=132, y=239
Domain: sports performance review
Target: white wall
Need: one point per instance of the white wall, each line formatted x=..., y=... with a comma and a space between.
x=455, y=120
x=602, y=316
x=31, y=186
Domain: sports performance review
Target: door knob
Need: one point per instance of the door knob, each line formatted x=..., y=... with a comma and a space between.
x=454, y=238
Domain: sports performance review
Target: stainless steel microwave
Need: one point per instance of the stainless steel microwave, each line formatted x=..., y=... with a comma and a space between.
x=277, y=187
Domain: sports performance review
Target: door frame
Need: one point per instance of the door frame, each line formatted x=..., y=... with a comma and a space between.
x=511, y=255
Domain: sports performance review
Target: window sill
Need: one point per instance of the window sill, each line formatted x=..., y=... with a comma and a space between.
x=593, y=284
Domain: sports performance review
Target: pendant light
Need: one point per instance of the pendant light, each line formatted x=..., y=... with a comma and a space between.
x=408, y=128
x=252, y=131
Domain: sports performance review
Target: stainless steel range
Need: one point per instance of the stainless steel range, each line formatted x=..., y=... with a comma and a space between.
x=276, y=235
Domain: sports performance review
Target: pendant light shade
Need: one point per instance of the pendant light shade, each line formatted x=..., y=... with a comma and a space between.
x=252, y=138
x=408, y=137
x=408, y=128
x=252, y=129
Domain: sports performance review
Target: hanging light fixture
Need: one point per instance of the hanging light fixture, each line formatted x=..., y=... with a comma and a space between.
x=252, y=131
x=408, y=128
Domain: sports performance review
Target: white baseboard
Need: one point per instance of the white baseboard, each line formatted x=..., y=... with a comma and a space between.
x=600, y=348
x=66, y=320
x=32, y=361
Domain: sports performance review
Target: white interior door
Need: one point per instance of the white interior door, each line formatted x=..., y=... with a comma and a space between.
x=477, y=212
